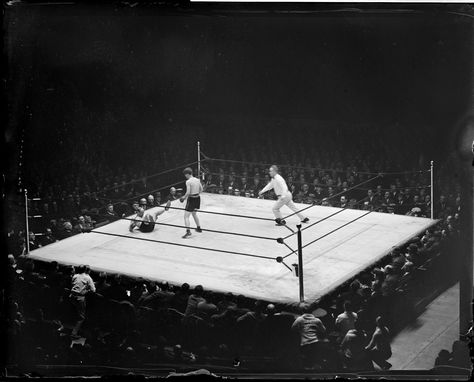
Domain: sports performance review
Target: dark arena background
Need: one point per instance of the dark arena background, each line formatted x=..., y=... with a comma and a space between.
x=366, y=110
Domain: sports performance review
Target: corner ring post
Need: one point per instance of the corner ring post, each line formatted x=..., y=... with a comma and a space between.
x=432, y=189
x=27, y=230
x=300, y=264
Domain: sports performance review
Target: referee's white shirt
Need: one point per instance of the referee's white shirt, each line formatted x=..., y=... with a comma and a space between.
x=278, y=184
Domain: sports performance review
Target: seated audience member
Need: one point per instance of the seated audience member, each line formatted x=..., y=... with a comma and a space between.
x=379, y=346
x=460, y=355
x=443, y=358
x=157, y=296
x=143, y=203
x=110, y=213
x=137, y=289
x=150, y=202
x=227, y=301
x=250, y=320
x=311, y=331
x=116, y=291
x=147, y=292
x=353, y=295
x=180, y=298
x=81, y=226
x=205, y=309
x=135, y=207
x=398, y=260
x=378, y=278
x=88, y=222
x=353, y=349
x=173, y=195
x=48, y=237
x=193, y=300
x=32, y=242
x=345, y=321
x=102, y=285
x=391, y=280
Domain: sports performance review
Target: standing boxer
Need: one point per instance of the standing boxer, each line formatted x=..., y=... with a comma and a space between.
x=193, y=191
x=284, y=196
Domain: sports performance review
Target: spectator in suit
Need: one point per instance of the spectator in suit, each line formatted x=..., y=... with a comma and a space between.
x=150, y=202
x=110, y=214
x=319, y=195
x=371, y=199
x=180, y=298
x=143, y=203
x=343, y=202
x=442, y=207
x=173, y=195
x=401, y=205
x=48, y=237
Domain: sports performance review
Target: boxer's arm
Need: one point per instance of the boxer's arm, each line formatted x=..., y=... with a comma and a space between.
x=188, y=191
x=162, y=211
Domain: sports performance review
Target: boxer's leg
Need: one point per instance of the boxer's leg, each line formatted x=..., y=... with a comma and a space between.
x=187, y=224
x=196, y=220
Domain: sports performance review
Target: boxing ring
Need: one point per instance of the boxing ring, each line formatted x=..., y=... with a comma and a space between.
x=247, y=265
x=241, y=250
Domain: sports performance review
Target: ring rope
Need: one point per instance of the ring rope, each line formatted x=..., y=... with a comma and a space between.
x=326, y=217
x=330, y=232
x=145, y=193
x=226, y=214
x=312, y=168
x=333, y=196
x=311, y=184
x=184, y=245
x=205, y=229
x=149, y=176
x=336, y=229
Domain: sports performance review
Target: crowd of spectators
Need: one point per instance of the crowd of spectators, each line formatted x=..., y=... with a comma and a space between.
x=65, y=314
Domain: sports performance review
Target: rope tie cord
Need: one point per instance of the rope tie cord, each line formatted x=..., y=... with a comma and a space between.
x=184, y=245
